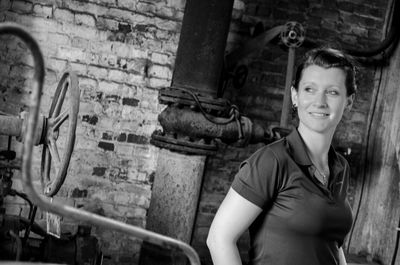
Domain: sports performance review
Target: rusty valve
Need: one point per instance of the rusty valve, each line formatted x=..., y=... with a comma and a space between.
x=47, y=132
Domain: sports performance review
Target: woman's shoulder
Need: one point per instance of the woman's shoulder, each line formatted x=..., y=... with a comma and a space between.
x=274, y=151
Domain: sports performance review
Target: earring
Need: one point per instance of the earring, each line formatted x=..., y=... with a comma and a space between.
x=294, y=111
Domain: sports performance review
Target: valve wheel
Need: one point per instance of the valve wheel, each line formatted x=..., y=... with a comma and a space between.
x=57, y=117
x=293, y=34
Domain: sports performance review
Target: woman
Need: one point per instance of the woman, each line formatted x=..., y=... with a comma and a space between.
x=291, y=194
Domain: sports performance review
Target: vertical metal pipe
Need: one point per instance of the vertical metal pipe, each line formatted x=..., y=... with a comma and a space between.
x=198, y=67
x=200, y=55
x=288, y=84
x=174, y=198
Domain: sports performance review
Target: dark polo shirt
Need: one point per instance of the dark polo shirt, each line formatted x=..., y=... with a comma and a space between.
x=303, y=222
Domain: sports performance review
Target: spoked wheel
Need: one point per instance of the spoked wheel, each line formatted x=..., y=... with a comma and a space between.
x=53, y=163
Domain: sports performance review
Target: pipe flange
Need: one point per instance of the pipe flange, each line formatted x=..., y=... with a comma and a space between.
x=183, y=145
x=40, y=129
x=293, y=34
x=246, y=129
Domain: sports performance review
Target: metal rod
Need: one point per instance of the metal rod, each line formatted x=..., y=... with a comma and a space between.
x=57, y=208
x=288, y=84
x=252, y=46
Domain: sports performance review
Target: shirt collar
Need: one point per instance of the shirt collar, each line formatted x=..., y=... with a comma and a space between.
x=299, y=152
x=298, y=148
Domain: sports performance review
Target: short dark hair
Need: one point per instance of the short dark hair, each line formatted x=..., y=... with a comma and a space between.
x=328, y=58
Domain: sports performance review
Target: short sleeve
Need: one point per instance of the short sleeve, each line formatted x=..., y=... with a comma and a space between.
x=258, y=178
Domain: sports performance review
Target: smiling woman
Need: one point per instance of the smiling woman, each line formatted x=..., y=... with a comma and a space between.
x=321, y=99
x=292, y=194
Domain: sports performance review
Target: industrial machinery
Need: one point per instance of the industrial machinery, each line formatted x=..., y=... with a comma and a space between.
x=192, y=121
x=20, y=236
x=21, y=239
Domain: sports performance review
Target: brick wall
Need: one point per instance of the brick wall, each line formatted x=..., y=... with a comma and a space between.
x=124, y=51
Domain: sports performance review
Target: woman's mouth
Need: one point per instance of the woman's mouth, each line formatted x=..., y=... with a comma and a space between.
x=319, y=114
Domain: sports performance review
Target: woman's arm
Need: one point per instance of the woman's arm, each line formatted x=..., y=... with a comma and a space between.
x=233, y=217
x=342, y=258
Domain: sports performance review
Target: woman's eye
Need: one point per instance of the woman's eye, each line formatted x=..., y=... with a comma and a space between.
x=333, y=92
x=308, y=89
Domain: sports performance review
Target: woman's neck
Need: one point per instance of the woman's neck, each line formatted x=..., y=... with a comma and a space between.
x=317, y=144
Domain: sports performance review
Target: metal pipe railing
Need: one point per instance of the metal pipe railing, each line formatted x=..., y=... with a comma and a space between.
x=58, y=208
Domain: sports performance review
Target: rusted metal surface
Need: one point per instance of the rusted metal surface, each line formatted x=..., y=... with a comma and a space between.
x=183, y=97
x=178, y=178
x=198, y=69
x=175, y=193
x=194, y=124
x=200, y=55
x=58, y=208
x=183, y=144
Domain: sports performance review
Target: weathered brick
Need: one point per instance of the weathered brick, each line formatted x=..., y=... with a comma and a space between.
x=59, y=39
x=90, y=119
x=121, y=137
x=159, y=83
x=107, y=136
x=160, y=58
x=107, y=24
x=43, y=10
x=98, y=72
x=108, y=60
x=63, y=15
x=79, y=31
x=70, y=53
x=109, y=87
x=117, y=76
x=99, y=171
x=160, y=71
x=78, y=193
x=5, y=5
x=135, y=79
x=138, y=139
x=56, y=64
x=85, y=20
x=128, y=4
x=79, y=42
x=21, y=6
x=130, y=101
x=106, y=146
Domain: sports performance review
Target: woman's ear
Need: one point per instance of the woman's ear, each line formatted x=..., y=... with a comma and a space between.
x=350, y=101
x=294, y=95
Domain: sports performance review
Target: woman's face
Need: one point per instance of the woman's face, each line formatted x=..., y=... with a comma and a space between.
x=321, y=98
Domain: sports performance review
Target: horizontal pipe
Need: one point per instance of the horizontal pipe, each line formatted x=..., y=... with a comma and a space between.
x=194, y=124
x=11, y=126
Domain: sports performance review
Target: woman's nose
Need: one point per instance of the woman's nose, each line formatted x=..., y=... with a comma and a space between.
x=320, y=100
